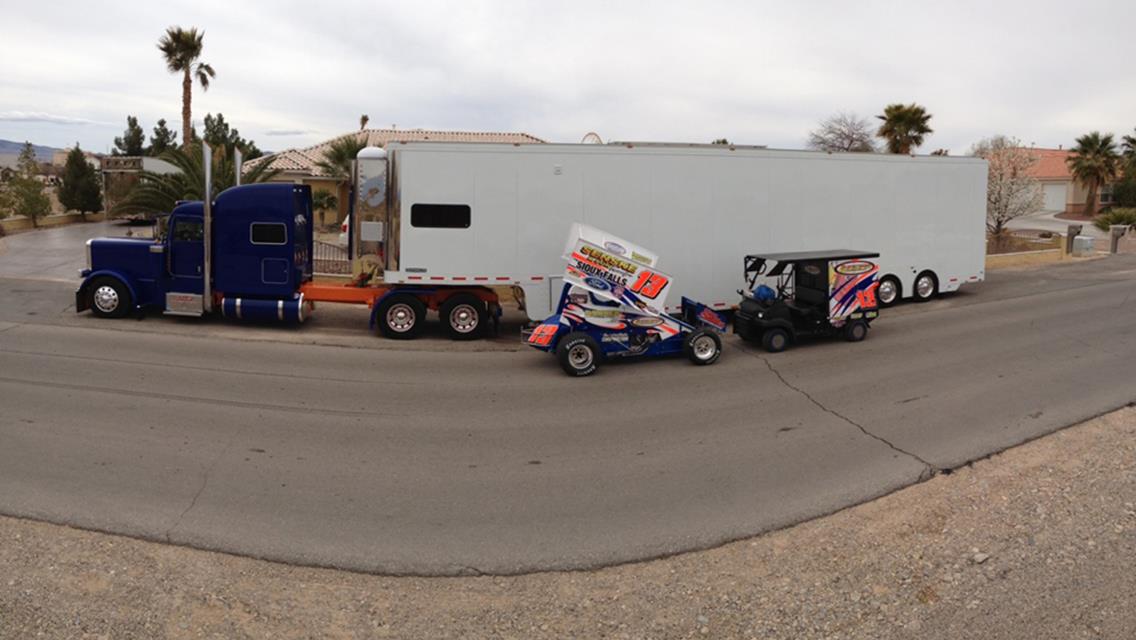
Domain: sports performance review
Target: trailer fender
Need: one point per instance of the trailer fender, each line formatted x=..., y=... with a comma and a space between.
x=81, y=293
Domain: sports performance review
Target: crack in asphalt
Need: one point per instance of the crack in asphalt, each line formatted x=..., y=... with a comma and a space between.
x=204, y=482
x=929, y=469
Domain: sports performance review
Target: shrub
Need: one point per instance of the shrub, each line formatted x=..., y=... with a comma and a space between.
x=1115, y=216
x=1124, y=192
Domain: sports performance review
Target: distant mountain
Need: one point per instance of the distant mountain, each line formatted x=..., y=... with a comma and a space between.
x=9, y=147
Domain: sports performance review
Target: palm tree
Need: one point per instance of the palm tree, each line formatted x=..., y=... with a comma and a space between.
x=182, y=48
x=904, y=127
x=1129, y=145
x=159, y=193
x=363, y=120
x=1094, y=163
x=337, y=158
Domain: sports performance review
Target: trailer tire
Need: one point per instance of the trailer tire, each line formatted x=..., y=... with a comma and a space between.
x=578, y=354
x=888, y=291
x=856, y=331
x=464, y=316
x=400, y=316
x=702, y=346
x=108, y=297
x=775, y=340
x=926, y=286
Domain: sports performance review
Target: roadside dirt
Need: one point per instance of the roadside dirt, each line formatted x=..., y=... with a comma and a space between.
x=1038, y=542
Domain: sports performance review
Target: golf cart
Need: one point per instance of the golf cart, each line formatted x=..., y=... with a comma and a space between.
x=817, y=293
x=612, y=305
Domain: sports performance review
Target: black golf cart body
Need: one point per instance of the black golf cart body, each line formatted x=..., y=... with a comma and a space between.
x=817, y=293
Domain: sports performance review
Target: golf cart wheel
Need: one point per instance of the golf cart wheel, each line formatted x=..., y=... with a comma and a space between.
x=775, y=340
x=464, y=316
x=578, y=353
x=888, y=291
x=108, y=297
x=702, y=346
x=856, y=331
x=926, y=286
x=400, y=316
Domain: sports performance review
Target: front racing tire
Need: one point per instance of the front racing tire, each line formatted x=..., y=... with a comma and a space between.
x=702, y=346
x=579, y=355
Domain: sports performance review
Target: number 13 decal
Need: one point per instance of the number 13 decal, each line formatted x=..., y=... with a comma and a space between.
x=649, y=284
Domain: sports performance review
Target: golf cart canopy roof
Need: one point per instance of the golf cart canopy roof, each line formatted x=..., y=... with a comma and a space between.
x=808, y=256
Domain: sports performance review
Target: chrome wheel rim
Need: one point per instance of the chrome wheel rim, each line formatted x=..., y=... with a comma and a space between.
x=463, y=318
x=925, y=286
x=704, y=347
x=106, y=299
x=580, y=357
x=400, y=318
x=887, y=291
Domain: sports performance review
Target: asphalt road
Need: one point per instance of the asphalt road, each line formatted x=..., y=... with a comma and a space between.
x=283, y=444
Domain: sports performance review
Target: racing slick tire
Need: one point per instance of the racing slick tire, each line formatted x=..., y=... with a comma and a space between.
x=108, y=297
x=856, y=331
x=464, y=316
x=702, y=346
x=400, y=316
x=578, y=354
x=775, y=340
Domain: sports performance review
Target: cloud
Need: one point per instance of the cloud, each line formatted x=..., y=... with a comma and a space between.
x=40, y=116
x=289, y=132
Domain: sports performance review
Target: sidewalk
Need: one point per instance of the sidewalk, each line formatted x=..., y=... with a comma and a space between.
x=1038, y=542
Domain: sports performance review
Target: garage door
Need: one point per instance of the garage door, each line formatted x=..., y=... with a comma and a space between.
x=1054, y=197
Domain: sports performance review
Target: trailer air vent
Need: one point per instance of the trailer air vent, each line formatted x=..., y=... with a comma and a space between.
x=440, y=216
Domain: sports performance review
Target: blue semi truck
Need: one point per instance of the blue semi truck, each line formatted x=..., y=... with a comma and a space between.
x=260, y=258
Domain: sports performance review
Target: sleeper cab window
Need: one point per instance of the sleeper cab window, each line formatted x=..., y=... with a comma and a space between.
x=268, y=233
x=189, y=231
x=440, y=216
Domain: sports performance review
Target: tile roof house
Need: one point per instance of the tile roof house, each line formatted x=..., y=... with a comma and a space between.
x=1061, y=192
x=301, y=165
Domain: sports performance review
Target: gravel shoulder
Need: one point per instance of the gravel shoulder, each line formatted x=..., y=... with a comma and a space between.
x=1036, y=542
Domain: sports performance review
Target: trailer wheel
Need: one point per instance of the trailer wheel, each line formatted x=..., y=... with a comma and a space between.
x=855, y=331
x=888, y=291
x=578, y=353
x=926, y=286
x=400, y=316
x=702, y=346
x=464, y=316
x=775, y=340
x=108, y=297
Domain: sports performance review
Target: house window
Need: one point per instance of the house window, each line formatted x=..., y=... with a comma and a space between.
x=268, y=233
x=440, y=216
x=1106, y=194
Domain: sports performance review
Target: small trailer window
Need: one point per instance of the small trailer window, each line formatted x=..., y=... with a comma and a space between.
x=440, y=216
x=268, y=233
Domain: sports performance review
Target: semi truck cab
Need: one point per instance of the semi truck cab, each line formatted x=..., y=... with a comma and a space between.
x=261, y=256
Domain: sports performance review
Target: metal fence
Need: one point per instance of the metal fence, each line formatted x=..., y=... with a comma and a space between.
x=330, y=259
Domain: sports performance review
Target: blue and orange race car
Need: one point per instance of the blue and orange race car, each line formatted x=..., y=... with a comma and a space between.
x=612, y=305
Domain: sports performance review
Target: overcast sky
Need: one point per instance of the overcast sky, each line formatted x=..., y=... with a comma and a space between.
x=294, y=73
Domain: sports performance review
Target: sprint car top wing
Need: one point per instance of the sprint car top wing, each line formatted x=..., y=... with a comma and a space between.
x=615, y=269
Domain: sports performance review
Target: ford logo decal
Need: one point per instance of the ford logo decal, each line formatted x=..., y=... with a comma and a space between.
x=597, y=283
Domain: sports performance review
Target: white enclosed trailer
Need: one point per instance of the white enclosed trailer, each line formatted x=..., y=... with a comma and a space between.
x=464, y=214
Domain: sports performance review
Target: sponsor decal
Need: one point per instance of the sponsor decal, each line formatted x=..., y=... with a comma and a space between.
x=595, y=254
x=601, y=313
x=647, y=321
x=614, y=337
x=597, y=283
x=615, y=248
x=854, y=267
x=812, y=269
x=638, y=257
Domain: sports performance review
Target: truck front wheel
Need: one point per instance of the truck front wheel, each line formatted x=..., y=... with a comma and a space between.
x=464, y=316
x=108, y=297
x=400, y=316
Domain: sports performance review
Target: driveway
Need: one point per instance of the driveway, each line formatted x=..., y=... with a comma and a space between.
x=56, y=253
x=1048, y=221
